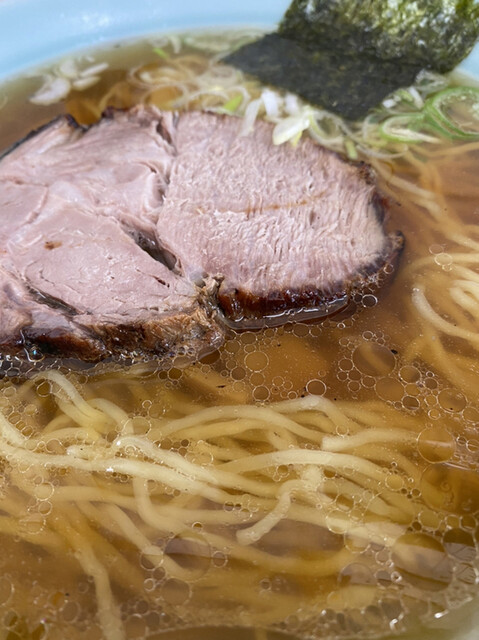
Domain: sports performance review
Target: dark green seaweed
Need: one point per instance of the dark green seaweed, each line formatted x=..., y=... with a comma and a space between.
x=348, y=85
x=348, y=55
x=435, y=34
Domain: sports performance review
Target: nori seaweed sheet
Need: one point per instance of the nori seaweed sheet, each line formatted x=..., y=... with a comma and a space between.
x=348, y=85
x=348, y=55
x=436, y=34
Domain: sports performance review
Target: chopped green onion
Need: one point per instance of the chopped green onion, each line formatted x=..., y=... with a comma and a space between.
x=295, y=141
x=351, y=149
x=455, y=111
x=161, y=52
x=404, y=94
x=232, y=105
x=406, y=128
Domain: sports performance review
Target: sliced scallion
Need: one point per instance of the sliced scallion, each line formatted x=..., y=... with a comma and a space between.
x=232, y=105
x=161, y=52
x=455, y=111
x=351, y=150
x=407, y=128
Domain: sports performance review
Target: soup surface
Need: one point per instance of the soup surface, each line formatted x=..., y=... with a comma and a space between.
x=312, y=480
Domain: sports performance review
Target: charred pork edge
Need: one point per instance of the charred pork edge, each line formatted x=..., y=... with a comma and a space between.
x=241, y=309
x=108, y=114
x=84, y=347
x=134, y=340
x=66, y=117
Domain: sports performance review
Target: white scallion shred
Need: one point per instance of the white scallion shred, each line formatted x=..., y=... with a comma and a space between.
x=67, y=76
x=289, y=128
x=389, y=103
x=272, y=103
x=250, y=115
x=85, y=83
x=292, y=104
x=416, y=97
x=428, y=82
x=68, y=69
x=53, y=90
x=94, y=70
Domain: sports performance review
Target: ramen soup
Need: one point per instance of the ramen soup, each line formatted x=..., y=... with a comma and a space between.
x=310, y=481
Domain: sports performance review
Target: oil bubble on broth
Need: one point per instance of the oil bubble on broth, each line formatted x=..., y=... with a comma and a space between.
x=309, y=481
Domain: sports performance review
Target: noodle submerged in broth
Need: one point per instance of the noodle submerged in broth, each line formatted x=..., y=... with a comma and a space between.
x=318, y=481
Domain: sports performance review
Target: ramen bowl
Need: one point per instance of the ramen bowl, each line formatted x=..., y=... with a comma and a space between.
x=308, y=481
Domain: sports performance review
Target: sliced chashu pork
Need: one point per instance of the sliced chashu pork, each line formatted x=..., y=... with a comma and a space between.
x=79, y=207
x=286, y=230
x=126, y=230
